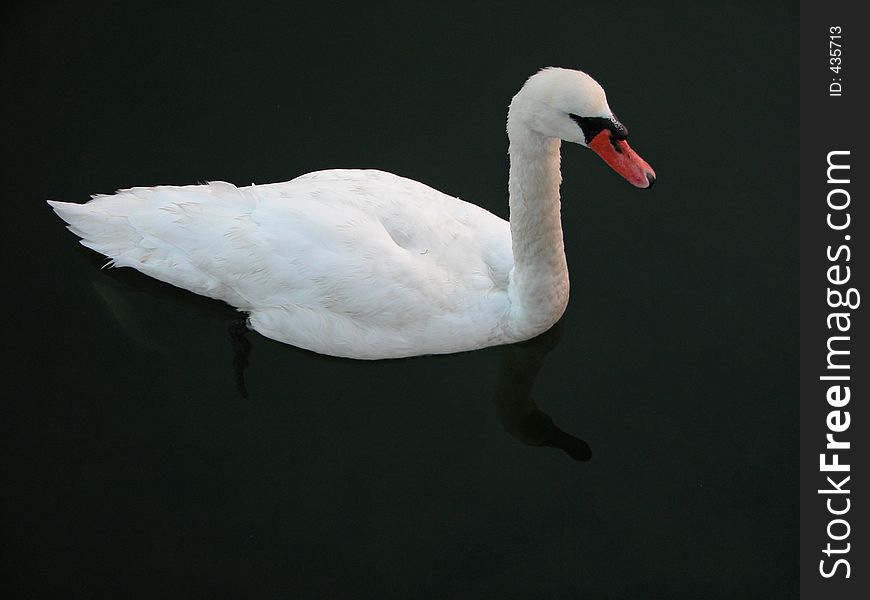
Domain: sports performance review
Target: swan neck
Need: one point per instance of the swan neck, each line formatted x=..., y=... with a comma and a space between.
x=539, y=280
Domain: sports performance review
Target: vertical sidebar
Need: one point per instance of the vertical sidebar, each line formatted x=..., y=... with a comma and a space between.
x=834, y=337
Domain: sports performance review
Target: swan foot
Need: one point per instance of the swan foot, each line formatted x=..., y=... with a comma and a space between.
x=241, y=351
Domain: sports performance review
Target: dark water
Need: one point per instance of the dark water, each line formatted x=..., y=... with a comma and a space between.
x=131, y=465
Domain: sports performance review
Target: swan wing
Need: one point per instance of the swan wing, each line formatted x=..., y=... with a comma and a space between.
x=347, y=262
x=378, y=261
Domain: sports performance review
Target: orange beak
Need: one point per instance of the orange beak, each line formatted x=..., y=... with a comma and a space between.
x=622, y=159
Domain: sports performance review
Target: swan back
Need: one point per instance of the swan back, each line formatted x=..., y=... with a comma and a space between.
x=354, y=263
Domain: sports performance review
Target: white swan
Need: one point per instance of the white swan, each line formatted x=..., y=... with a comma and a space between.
x=365, y=264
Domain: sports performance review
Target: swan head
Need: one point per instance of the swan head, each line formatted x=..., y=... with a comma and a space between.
x=571, y=106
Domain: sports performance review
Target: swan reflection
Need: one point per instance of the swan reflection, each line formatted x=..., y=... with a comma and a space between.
x=519, y=365
x=515, y=406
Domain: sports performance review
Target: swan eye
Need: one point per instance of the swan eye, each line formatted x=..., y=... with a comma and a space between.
x=592, y=126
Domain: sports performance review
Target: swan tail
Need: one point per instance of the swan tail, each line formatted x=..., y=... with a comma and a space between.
x=171, y=233
x=102, y=224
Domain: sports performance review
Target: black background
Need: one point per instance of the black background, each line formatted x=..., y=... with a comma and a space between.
x=132, y=467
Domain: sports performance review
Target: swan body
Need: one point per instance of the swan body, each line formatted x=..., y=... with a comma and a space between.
x=369, y=265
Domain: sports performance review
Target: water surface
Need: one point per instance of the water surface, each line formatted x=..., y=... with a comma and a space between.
x=133, y=467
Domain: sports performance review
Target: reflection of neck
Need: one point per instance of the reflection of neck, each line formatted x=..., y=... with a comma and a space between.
x=539, y=280
x=513, y=398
